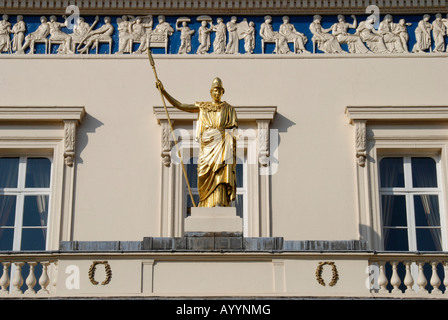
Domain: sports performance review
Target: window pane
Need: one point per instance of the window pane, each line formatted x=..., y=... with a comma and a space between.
x=429, y=239
x=239, y=175
x=424, y=173
x=396, y=239
x=6, y=238
x=33, y=239
x=239, y=204
x=7, y=210
x=391, y=172
x=192, y=172
x=9, y=172
x=35, y=211
x=38, y=173
x=426, y=210
x=393, y=210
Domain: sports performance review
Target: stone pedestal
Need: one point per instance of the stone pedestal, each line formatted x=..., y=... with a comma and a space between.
x=215, y=219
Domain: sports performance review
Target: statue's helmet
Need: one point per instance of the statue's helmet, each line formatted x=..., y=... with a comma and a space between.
x=217, y=83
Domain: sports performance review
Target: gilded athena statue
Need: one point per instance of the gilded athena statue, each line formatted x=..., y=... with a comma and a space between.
x=216, y=127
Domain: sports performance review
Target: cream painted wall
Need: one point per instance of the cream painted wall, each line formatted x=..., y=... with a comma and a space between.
x=118, y=148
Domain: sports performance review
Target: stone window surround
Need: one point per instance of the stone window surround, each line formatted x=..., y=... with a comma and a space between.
x=59, y=142
x=258, y=186
x=405, y=139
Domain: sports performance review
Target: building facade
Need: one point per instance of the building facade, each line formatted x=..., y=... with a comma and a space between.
x=341, y=156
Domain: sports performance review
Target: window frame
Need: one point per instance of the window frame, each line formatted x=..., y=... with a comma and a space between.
x=380, y=130
x=409, y=192
x=47, y=132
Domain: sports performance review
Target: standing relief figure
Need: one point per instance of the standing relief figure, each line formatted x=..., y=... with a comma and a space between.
x=392, y=41
x=57, y=35
x=185, y=35
x=246, y=31
x=219, y=44
x=123, y=34
x=5, y=30
x=204, y=37
x=325, y=42
x=103, y=33
x=438, y=33
x=268, y=34
x=354, y=42
x=40, y=34
x=401, y=30
x=232, y=45
x=423, y=35
x=370, y=36
x=18, y=34
x=291, y=34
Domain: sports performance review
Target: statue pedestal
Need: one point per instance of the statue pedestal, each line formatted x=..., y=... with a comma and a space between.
x=215, y=219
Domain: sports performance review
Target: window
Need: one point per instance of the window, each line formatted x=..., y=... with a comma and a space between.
x=241, y=193
x=410, y=197
x=24, y=202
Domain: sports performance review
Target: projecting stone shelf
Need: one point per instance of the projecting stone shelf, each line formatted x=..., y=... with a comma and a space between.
x=215, y=241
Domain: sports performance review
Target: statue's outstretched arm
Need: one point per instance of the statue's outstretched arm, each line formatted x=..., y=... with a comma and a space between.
x=174, y=102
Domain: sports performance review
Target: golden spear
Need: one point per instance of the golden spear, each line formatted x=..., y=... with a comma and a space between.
x=153, y=65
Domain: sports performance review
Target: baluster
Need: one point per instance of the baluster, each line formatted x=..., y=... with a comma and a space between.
x=435, y=280
x=408, y=279
x=445, y=279
x=31, y=279
x=395, y=279
x=382, y=279
x=4, y=280
x=421, y=279
x=44, y=280
x=17, y=280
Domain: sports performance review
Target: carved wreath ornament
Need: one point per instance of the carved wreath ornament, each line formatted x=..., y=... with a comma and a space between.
x=334, y=272
x=92, y=270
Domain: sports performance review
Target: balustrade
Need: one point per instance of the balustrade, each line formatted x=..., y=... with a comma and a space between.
x=21, y=277
x=409, y=275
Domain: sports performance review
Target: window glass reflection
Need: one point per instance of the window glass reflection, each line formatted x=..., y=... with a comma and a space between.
x=392, y=173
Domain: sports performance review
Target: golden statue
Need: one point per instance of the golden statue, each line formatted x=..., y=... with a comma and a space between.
x=216, y=127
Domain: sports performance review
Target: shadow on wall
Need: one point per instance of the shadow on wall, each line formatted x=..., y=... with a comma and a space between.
x=370, y=236
x=89, y=125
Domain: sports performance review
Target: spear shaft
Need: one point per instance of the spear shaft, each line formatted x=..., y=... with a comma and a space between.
x=153, y=65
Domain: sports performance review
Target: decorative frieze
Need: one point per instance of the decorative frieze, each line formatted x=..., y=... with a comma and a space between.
x=206, y=34
x=221, y=6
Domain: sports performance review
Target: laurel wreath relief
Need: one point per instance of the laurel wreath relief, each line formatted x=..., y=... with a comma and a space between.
x=334, y=272
x=92, y=270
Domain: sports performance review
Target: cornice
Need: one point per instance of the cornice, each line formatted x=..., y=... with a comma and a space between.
x=175, y=7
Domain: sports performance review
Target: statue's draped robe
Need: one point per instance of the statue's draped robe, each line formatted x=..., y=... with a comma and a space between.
x=217, y=155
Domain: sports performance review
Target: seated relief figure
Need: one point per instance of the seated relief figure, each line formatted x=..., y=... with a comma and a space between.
x=401, y=30
x=369, y=35
x=103, y=33
x=268, y=34
x=354, y=42
x=392, y=41
x=217, y=123
x=326, y=42
x=40, y=34
x=63, y=38
x=291, y=34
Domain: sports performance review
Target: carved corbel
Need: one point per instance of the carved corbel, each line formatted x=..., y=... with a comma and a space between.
x=69, y=141
x=166, y=143
x=360, y=141
x=263, y=142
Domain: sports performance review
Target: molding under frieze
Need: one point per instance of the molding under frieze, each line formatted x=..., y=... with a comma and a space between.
x=220, y=6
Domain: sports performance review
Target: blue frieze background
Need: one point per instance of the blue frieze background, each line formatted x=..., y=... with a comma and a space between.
x=301, y=24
